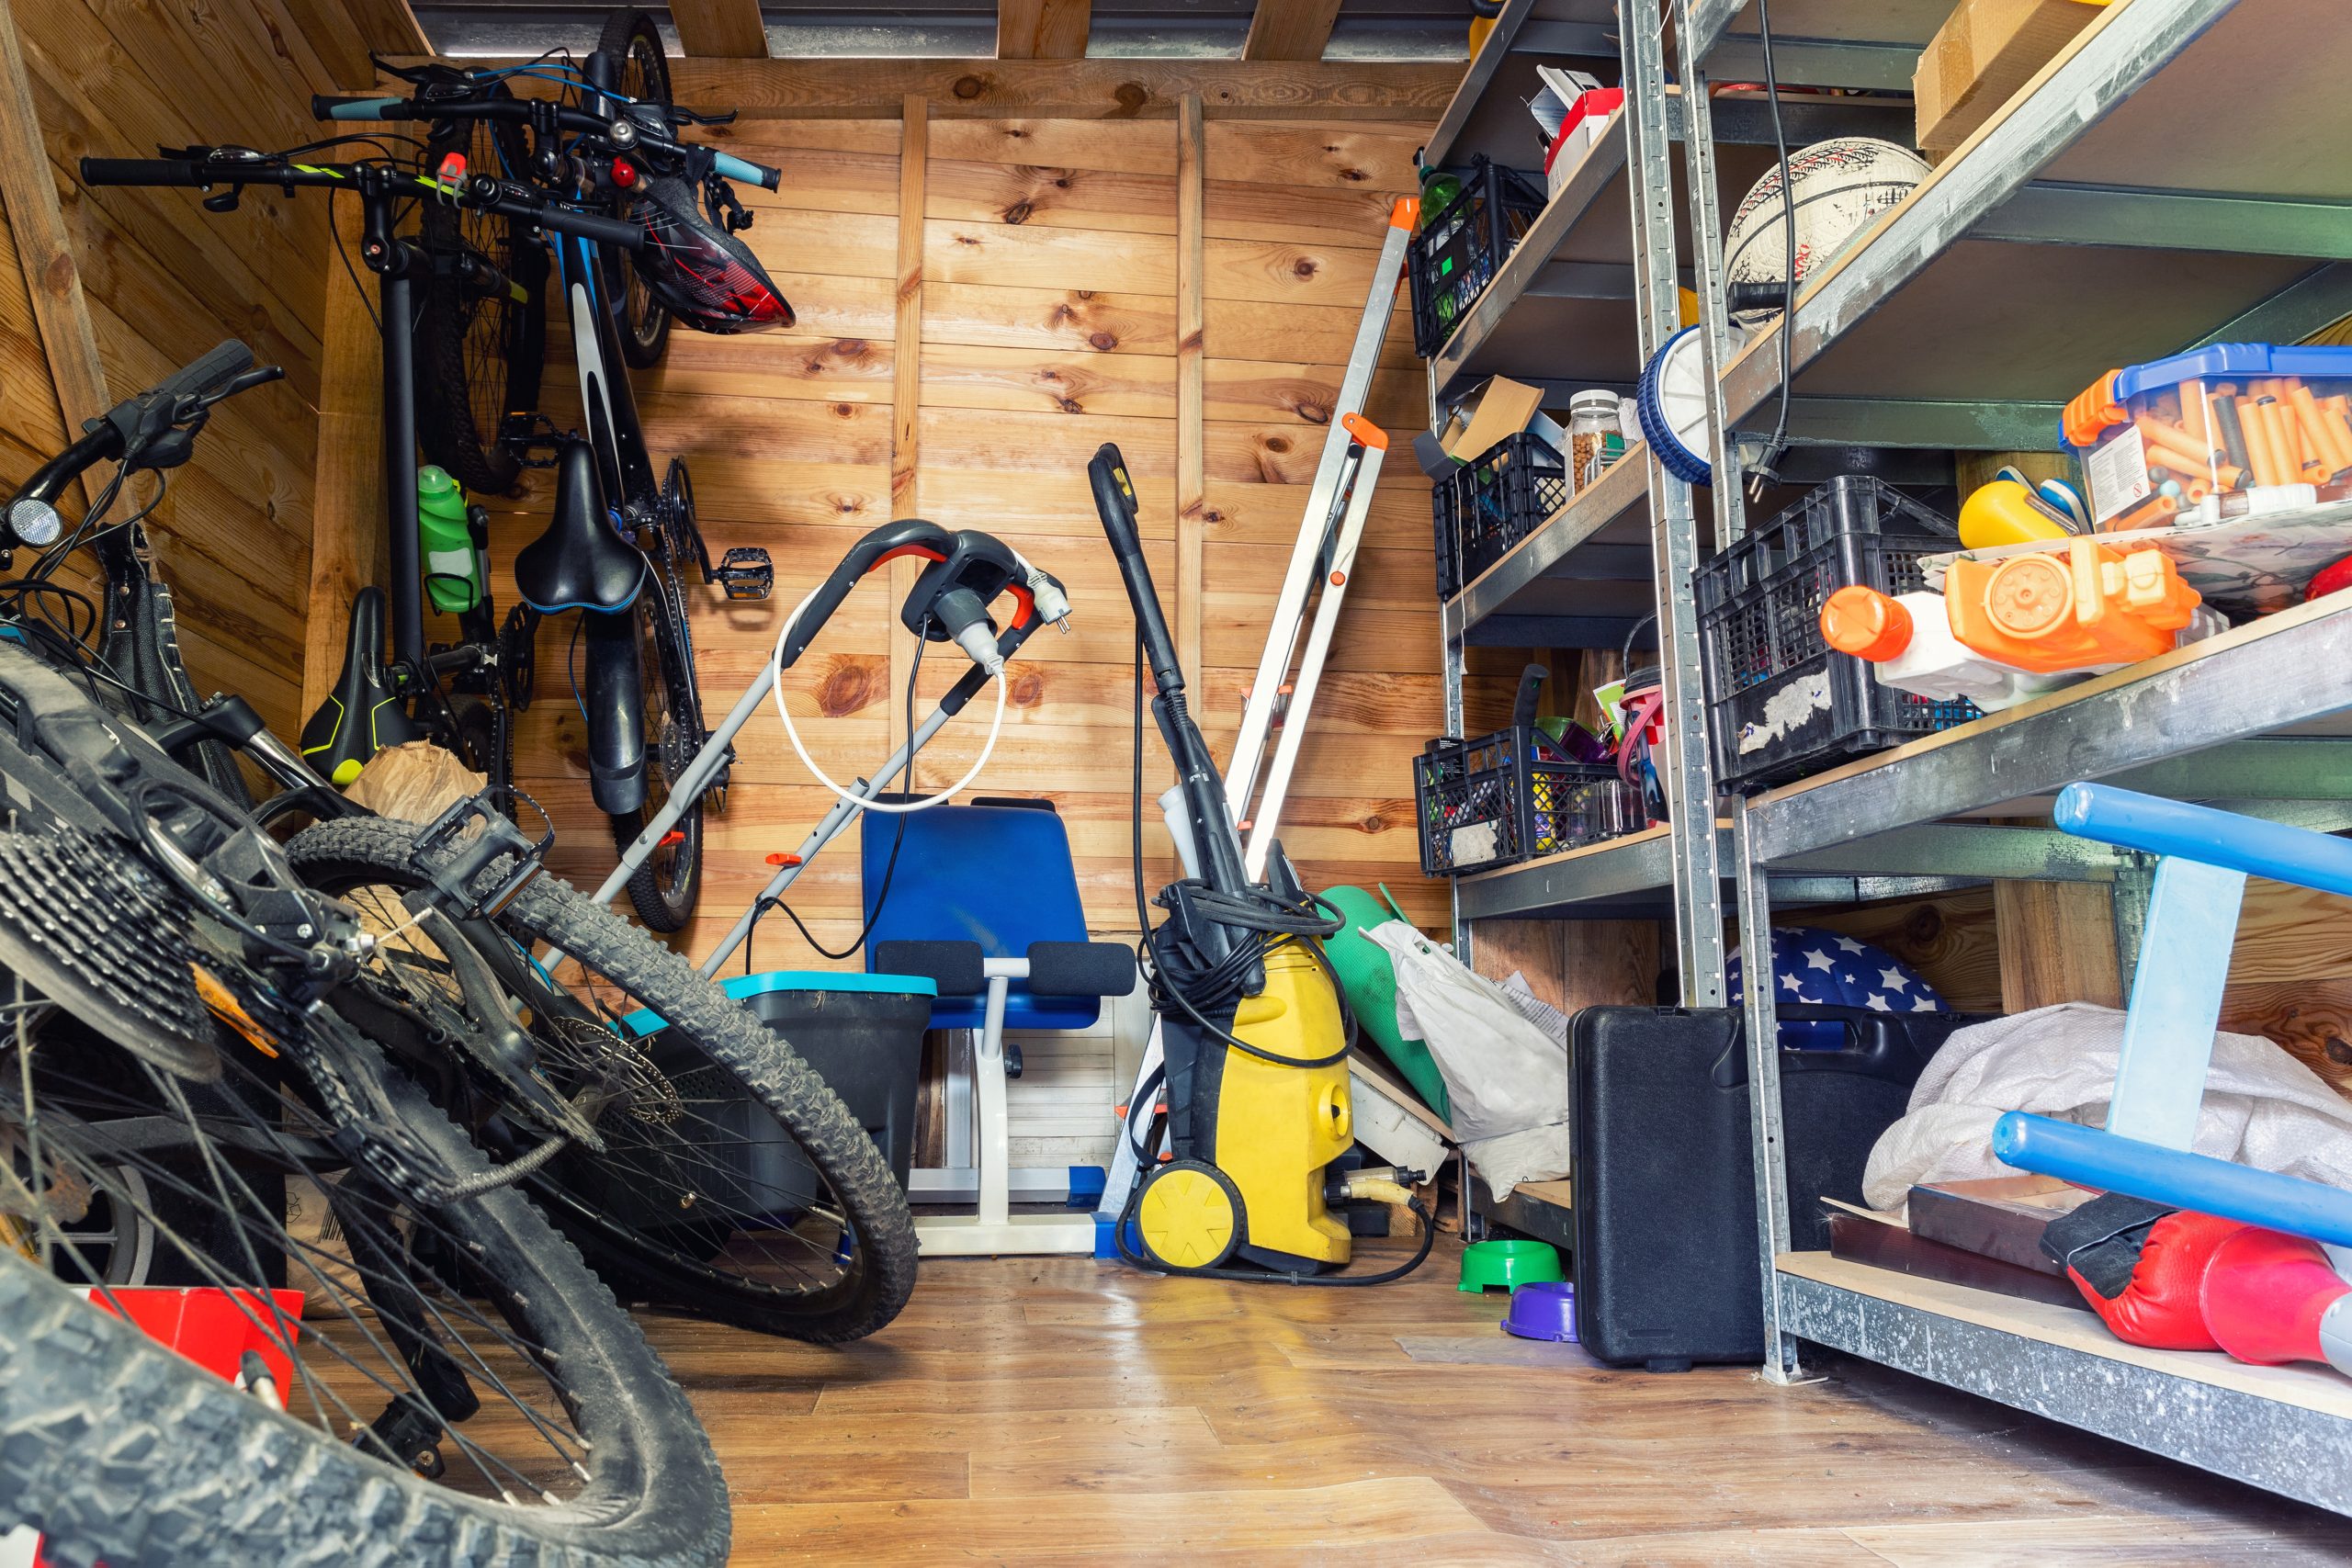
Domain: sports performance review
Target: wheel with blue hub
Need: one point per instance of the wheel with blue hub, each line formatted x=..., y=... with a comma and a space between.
x=1671, y=403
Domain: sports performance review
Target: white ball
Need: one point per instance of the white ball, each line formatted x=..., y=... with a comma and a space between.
x=1842, y=186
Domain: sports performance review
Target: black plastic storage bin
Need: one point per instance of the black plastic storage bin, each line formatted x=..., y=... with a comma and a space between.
x=1484, y=507
x=1780, y=703
x=1457, y=250
x=861, y=1033
x=1512, y=795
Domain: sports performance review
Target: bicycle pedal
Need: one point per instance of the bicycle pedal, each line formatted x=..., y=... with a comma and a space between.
x=746, y=572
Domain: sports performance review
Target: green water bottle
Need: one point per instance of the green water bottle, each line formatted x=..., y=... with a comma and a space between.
x=453, y=569
x=1438, y=190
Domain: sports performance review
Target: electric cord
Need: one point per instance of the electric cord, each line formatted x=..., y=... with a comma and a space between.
x=889, y=867
x=1128, y=1256
x=1767, y=468
x=1262, y=915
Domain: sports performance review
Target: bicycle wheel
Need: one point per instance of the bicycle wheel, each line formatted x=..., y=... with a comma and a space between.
x=733, y=1183
x=667, y=885
x=461, y=1320
x=644, y=74
x=481, y=322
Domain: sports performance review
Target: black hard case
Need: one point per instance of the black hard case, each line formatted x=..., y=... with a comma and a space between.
x=1668, y=1271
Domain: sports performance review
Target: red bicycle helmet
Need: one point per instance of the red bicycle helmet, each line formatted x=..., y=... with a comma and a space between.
x=700, y=273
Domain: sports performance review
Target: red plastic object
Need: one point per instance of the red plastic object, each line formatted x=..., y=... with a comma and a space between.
x=212, y=1327
x=2330, y=580
x=2161, y=1308
x=2264, y=1294
x=452, y=170
x=624, y=172
x=1598, y=104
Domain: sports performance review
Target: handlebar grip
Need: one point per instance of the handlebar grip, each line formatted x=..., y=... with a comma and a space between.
x=216, y=368
x=144, y=172
x=1114, y=500
x=743, y=169
x=324, y=107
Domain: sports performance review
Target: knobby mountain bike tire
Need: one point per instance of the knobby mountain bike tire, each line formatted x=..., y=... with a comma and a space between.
x=120, y=1451
x=666, y=887
x=635, y=41
x=482, y=316
x=702, y=1227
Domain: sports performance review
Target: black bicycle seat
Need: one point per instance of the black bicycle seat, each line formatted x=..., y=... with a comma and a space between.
x=581, y=562
x=363, y=715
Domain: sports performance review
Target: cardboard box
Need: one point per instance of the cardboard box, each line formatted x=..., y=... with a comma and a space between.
x=1502, y=407
x=1984, y=52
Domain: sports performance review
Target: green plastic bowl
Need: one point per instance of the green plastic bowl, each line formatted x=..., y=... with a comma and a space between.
x=1506, y=1265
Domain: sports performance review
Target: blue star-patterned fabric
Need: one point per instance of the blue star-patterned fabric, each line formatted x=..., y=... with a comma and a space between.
x=1825, y=969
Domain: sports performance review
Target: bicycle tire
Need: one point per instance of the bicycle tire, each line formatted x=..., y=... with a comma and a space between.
x=635, y=41
x=364, y=851
x=667, y=886
x=119, y=1449
x=479, y=358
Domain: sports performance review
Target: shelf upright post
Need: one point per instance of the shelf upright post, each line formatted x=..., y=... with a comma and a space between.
x=1674, y=531
x=1758, y=981
x=1761, y=1026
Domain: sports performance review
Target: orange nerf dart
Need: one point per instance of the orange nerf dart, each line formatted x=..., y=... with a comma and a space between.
x=2094, y=605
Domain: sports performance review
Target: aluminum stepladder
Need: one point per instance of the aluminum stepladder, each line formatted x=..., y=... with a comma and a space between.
x=1282, y=693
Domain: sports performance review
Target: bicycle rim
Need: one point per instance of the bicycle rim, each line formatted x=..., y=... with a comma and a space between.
x=458, y=1335
x=733, y=1184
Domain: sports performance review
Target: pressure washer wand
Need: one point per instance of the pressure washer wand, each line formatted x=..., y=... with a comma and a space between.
x=1213, y=829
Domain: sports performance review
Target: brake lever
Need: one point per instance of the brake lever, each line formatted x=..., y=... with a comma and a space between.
x=259, y=376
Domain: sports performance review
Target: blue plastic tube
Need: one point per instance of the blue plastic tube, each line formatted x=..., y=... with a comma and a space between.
x=2091, y=1157
x=2162, y=827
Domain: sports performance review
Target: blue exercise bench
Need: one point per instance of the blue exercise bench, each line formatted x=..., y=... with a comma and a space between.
x=984, y=901
x=2176, y=1006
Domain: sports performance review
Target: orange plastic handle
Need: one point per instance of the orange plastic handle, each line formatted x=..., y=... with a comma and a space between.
x=1363, y=429
x=2092, y=410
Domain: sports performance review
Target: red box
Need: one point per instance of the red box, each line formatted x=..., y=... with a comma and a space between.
x=1596, y=107
x=212, y=1327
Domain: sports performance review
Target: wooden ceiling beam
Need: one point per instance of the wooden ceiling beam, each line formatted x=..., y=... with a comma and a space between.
x=345, y=32
x=1042, y=29
x=721, y=29
x=1071, y=89
x=1290, y=29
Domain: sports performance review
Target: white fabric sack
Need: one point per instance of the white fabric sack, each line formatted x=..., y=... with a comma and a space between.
x=2262, y=1107
x=1507, y=1078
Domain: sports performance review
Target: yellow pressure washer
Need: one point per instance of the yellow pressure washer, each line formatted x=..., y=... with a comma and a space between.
x=1254, y=1032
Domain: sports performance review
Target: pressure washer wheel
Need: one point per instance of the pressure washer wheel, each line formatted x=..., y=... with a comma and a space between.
x=1190, y=1216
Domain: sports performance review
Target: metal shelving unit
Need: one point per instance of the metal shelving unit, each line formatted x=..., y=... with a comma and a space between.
x=1582, y=301
x=2097, y=219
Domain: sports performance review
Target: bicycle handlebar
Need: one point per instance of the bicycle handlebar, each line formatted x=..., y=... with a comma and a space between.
x=479, y=190
x=518, y=110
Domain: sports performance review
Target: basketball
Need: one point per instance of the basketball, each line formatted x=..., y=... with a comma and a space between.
x=1841, y=186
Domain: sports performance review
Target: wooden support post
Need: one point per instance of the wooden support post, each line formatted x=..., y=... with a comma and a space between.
x=349, y=543
x=905, y=385
x=1042, y=29
x=1290, y=29
x=2057, y=943
x=28, y=196
x=723, y=30
x=1192, y=330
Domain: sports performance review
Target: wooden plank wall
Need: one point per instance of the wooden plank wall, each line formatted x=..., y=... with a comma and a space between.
x=164, y=281
x=1052, y=256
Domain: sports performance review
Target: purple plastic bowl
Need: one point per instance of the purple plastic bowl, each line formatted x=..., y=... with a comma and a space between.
x=1545, y=1309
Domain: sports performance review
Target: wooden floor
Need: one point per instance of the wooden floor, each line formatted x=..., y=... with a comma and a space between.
x=1066, y=1411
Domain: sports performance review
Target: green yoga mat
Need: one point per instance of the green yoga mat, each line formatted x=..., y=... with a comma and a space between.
x=1369, y=981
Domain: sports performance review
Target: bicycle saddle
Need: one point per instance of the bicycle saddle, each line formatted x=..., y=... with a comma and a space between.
x=363, y=715
x=581, y=562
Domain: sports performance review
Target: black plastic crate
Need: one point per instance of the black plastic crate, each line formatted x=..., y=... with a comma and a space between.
x=1483, y=508
x=1512, y=795
x=1780, y=703
x=1457, y=251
